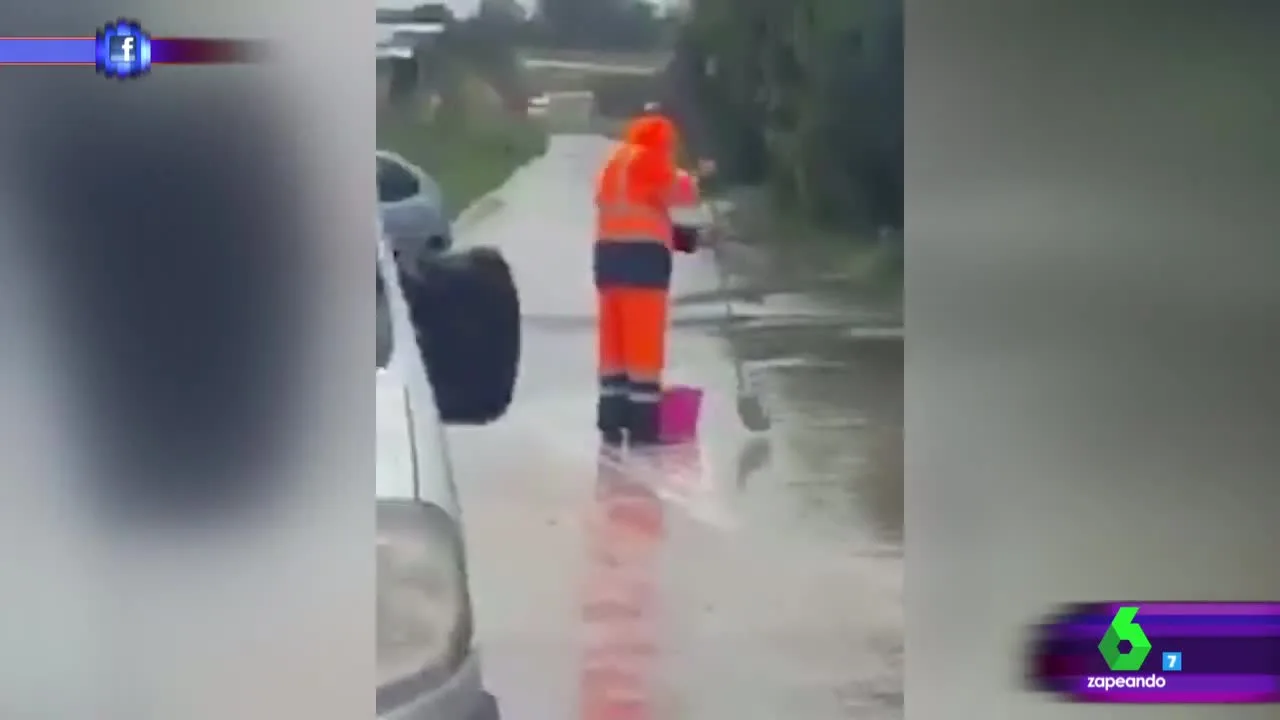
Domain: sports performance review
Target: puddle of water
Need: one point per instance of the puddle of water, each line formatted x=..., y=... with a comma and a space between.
x=834, y=387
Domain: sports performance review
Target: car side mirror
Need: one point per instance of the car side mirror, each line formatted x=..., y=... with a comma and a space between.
x=466, y=311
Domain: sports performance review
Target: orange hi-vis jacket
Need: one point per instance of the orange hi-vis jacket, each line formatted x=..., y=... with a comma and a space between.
x=635, y=193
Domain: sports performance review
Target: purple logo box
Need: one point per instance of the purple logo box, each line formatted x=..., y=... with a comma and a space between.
x=1231, y=654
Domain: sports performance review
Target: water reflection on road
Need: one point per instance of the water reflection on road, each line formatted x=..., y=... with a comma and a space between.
x=837, y=403
x=776, y=592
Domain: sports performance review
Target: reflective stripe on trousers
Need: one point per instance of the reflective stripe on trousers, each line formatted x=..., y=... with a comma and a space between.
x=646, y=391
x=614, y=384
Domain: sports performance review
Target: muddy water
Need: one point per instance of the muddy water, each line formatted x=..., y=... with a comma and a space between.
x=747, y=575
x=833, y=371
x=826, y=481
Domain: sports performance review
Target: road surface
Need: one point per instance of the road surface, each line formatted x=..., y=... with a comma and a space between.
x=742, y=578
x=587, y=67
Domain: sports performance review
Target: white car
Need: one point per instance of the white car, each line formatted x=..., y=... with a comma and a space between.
x=427, y=664
x=411, y=208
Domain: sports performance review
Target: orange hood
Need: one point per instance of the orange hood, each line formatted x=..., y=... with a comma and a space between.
x=653, y=132
x=654, y=168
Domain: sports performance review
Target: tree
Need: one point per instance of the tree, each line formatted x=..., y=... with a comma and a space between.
x=600, y=24
x=805, y=96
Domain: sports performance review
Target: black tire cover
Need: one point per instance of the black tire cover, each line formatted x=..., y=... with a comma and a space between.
x=467, y=313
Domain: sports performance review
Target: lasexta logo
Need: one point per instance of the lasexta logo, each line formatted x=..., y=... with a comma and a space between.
x=1124, y=629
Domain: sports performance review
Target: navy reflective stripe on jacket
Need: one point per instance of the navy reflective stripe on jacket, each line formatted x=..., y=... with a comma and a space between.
x=641, y=264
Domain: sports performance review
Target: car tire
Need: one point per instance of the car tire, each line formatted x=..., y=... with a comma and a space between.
x=469, y=296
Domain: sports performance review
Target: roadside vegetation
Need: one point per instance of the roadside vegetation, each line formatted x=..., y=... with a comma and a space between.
x=803, y=100
x=458, y=110
x=469, y=155
x=837, y=259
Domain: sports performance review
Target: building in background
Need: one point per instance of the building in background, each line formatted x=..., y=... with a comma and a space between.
x=400, y=34
x=399, y=31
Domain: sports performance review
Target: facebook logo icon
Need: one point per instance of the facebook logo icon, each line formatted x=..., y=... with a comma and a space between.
x=123, y=50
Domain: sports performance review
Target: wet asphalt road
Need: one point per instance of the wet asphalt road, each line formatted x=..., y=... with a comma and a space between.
x=748, y=576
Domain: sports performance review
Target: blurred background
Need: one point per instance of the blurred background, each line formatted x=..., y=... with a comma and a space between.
x=1090, y=400
x=184, y=491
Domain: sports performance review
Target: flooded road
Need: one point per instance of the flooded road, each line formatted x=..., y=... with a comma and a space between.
x=745, y=576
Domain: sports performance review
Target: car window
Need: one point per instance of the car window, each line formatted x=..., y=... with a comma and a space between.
x=395, y=181
x=385, y=340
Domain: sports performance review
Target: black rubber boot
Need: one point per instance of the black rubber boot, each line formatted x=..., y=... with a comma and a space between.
x=611, y=418
x=644, y=428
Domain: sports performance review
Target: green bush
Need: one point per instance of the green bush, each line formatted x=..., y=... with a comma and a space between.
x=805, y=97
x=468, y=156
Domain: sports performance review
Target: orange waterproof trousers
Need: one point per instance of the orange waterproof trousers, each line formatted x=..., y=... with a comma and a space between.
x=633, y=342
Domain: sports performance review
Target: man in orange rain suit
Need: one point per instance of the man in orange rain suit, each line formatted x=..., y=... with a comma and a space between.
x=638, y=187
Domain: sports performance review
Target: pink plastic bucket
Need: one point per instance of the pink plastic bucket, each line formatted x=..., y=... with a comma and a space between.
x=681, y=406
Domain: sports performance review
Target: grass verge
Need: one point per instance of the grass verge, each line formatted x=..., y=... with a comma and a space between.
x=468, y=156
x=862, y=263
